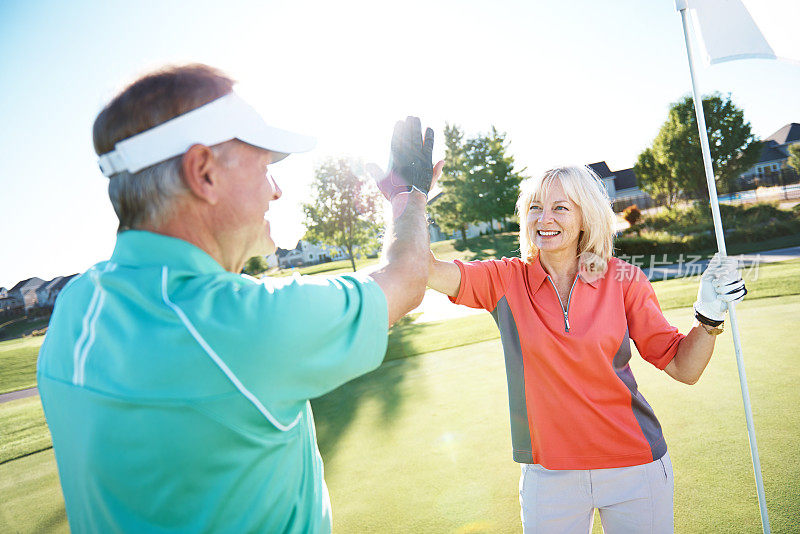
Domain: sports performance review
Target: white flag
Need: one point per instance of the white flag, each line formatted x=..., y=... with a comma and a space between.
x=740, y=29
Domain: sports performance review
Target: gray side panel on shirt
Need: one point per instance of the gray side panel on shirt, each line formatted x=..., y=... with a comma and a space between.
x=644, y=414
x=515, y=374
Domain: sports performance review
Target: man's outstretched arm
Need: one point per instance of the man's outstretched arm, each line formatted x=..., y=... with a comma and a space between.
x=410, y=176
x=405, y=252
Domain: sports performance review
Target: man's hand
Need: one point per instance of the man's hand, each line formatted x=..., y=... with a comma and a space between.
x=719, y=285
x=411, y=162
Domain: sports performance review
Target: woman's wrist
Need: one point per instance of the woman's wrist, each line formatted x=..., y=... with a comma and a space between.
x=711, y=330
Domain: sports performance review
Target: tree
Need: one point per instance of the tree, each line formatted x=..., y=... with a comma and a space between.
x=794, y=157
x=478, y=181
x=491, y=175
x=451, y=209
x=255, y=265
x=675, y=160
x=655, y=178
x=344, y=210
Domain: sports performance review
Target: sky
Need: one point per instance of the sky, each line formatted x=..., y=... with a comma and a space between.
x=569, y=82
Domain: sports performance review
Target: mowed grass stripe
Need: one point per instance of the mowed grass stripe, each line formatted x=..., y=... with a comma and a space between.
x=22, y=428
x=18, y=363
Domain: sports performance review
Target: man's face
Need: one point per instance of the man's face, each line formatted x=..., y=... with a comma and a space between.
x=248, y=190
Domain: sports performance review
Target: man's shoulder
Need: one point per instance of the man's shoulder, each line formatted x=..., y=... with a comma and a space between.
x=83, y=281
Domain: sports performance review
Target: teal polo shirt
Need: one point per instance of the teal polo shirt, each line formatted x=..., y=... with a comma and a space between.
x=177, y=393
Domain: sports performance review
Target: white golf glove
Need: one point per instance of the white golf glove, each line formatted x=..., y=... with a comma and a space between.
x=719, y=285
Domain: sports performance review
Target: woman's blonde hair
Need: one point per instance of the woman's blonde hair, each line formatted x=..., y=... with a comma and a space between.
x=586, y=189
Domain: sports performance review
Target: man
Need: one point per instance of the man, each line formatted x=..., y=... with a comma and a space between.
x=176, y=390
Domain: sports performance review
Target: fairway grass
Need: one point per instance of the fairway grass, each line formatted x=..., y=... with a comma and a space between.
x=22, y=428
x=18, y=363
x=441, y=460
x=30, y=496
x=423, y=443
x=763, y=281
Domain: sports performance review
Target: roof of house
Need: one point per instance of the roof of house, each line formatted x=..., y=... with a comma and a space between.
x=770, y=151
x=281, y=252
x=625, y=179
x=601, y=168
x=61, y=282
x=51, y=284
x=29, y=284
x=788, y=134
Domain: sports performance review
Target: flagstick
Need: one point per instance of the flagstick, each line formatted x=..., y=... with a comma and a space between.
x=712, y=193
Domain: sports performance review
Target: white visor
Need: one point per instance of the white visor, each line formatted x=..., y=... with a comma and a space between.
x=228, y=117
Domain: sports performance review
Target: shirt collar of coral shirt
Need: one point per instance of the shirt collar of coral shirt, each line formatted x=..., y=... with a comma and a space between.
x=537, y=275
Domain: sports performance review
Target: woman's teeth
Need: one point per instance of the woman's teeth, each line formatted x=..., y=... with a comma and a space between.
x=548, y=233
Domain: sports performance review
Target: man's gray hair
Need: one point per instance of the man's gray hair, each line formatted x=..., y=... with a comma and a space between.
x=149, y=196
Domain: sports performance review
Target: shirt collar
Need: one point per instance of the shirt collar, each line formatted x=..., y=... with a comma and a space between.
x=139, y=248
x=537, y=275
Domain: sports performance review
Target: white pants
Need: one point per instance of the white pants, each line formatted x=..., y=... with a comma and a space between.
x=636, y=499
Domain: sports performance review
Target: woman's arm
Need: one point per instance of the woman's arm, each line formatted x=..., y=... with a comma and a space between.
x=444, y=276
x=694, y=353
x=719, y=286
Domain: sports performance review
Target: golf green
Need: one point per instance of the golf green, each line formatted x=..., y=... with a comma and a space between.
x=423, y=443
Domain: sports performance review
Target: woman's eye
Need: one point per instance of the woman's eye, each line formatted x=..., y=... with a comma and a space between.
x=561, y=207
x=535, y=208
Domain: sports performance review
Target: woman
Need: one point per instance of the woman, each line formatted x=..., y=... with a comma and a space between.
x=567, y=310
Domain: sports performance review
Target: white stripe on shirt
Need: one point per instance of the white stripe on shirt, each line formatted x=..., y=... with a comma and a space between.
x=217, y=360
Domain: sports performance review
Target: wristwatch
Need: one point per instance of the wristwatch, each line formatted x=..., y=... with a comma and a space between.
x=711, y=326
x=713, y=330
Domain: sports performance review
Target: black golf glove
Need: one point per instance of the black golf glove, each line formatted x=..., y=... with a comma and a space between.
x=411, y=163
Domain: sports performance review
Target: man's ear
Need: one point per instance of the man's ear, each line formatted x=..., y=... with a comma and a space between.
x=198, y=169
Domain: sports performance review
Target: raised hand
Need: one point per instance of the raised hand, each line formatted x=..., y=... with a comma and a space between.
x=411, y=163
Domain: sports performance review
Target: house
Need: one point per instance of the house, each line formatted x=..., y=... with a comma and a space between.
x=47, y=293
x=9, y=305
x=24, y=293
x=306, y=253
x=272, y=260
x=43, y=292
x=622, y=187
x=604, y=173
x=774, y=156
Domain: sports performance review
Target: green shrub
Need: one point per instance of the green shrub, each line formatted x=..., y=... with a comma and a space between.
x=642, y=245
x=662, y=242
x=759, y=232
x=697, y=218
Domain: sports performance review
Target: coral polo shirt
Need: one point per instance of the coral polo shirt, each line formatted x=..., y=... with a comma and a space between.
x=573, y=400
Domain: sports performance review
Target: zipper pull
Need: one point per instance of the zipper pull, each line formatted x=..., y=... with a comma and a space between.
x=566, y=322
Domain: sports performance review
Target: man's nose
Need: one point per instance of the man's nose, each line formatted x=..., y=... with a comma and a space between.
x=276, y=191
